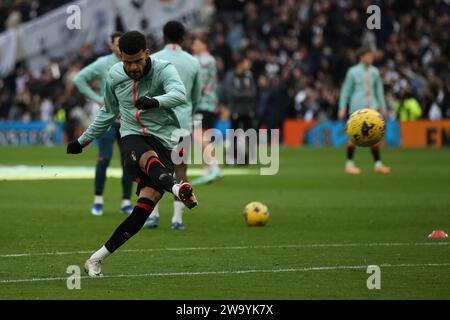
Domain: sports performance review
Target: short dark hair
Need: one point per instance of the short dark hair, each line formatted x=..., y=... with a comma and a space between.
x=362, y=51
x=203, y=39
x=173, y=31
x=115, y=35
x=132, y=42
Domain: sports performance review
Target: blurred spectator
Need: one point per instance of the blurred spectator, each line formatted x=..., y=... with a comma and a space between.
x=223, y=52
x=273, y=101
x=207, y=13
x=406, y=106
x=15, y=12
x=6, y=102
x=445, y=102
x=298, y=52
x=240, y=97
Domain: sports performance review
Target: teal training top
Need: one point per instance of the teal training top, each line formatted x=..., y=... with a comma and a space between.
x=208, y=73
x=362, y=88
x=162, y=82
x=97, y=70
x=189, y=71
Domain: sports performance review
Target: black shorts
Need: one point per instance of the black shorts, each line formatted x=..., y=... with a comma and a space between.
x=183, y=148
x=205, y=119
x=134, y=146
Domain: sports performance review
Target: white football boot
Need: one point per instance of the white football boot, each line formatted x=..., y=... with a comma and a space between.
x=93, y=268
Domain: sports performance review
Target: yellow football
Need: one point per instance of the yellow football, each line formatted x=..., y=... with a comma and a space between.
x=256, y=214
x=365, y=127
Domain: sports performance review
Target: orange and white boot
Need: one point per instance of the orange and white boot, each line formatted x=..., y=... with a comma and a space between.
x=350, y=168
x=382, y=169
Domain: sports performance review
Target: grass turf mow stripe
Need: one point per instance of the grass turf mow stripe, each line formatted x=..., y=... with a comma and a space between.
x=18, y=173
x=202, y=273
x=317, y=245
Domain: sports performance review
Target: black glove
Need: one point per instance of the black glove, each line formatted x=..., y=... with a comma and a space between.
x=146, y=102
x=74, y=147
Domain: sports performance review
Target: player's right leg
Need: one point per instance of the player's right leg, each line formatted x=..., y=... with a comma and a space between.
x=142, y=163
x=105, y=149
x=212, y=172
x=147, y=159
x=178, y=206
x=180, y=171
x=202, y=123
x=237, y=154
x=350, y=164
x=148, y=198
x=378, y=167
x=127, y=182
x=153, y=167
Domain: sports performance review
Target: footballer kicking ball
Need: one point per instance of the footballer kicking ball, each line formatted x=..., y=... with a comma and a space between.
x=256, y=214
x=365, y=127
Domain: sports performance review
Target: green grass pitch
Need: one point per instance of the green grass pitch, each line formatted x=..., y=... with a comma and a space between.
x=325, y=228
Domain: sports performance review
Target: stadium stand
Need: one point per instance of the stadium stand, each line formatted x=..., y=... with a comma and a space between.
x=300, y=51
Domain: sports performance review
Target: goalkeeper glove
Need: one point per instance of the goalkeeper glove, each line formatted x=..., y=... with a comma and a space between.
x=74, y=147
x=145, y=102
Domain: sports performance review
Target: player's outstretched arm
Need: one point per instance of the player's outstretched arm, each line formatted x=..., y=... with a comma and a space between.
x=380, y=95
x=74, y=147
x=196, y=90
x=346, y=92
x=104, y=119
x=342, y=115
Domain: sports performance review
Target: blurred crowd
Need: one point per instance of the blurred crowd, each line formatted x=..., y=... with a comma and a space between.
x=300, y=52
x=294, y=52
x=15, y=12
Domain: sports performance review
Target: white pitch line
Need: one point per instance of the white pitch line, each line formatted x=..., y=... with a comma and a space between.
x=288, y=246
x=202, y=273
x=22, y=172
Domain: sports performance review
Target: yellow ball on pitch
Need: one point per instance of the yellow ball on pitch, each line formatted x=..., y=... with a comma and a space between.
x=365, y=127
x=256, y=214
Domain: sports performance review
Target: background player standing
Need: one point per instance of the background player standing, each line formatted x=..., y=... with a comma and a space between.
x=189, y=70
x=98, y=70
x=362, y=88
x=206, y=113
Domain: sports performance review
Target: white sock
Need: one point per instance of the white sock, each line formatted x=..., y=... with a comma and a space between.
x=101, y=254
x=126, y=202
x=207, y=171
x=98, y=199
x=378, y=164
x=175, y=189
x=350, y=164
x=155, y=212
x=178, y=207
x=214, y=166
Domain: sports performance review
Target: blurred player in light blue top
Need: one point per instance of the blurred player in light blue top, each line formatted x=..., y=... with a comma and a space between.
x=362, y=88
x=98, y=70
x=205, y=115
x=189, y=71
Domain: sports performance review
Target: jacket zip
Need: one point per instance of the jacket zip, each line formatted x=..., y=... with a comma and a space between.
x=144, y=131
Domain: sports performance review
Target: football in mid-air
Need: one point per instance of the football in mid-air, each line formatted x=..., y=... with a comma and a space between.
x=365, y=127
x=256, y=214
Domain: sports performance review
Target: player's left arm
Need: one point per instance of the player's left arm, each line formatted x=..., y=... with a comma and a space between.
x=104, y=119
x=196, y=91
x=379, y=92
x=346, y=92
x=86, y=75
x=175, y=92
